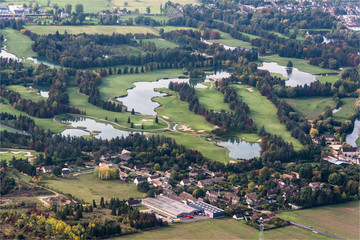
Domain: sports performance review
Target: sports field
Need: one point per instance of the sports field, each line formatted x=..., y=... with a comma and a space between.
x=18, y=44
x=264, y=113
x=341, y=220
x=100, y=29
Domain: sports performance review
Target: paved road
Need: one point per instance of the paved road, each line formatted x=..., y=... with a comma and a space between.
x=15, y=130
x=315, y=230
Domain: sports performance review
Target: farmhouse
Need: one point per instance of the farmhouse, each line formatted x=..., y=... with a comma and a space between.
x=208, y=210
x=133, y=203
x=138, y=180
x=65, y=172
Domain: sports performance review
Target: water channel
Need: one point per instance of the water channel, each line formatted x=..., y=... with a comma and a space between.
x=140, y=97
x=351, y=138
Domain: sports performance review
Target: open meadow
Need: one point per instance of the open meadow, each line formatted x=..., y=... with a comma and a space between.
x=347, y=109
x=27, y=93
x=173, y=28
x=225, y=228
x=88, y=187
x=263, y=112
x=341, y=220
x=226, y=39
x=18, y=44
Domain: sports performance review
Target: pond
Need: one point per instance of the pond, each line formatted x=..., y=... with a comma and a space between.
x=43, y=91
x=295, y=76
x=335, y=110
x=239, y=149
x=85, y=126
x=140, y=97
x=351, y=138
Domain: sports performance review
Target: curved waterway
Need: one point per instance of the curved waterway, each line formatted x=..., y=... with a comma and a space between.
x=86, y=126
x=140, y=97
x=351, y=138
x=239, y=149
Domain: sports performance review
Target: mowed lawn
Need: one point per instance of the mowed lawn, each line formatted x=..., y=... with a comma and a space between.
x=173, y=28
x=8, y=154
x=99, y=29
x=161, y=43
x=264, y=113
x=225, y=228
x=341, y=220
x=27, y=93
x=212, y=99
x=301, y=64
x=310, y=107
x=18, y=44
x=88, y=187
x=347, y=109
x=226, y=39
x=117, y=85
x=330, y=79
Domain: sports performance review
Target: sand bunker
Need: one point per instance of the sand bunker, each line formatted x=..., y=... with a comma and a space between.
x=185, y=128
x=166, y=117
x=138, y=124
x=146, y=120
x=249, y=89
x=201, y=131
x=259, y=140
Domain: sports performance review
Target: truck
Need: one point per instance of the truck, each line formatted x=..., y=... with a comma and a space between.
x=177, y=220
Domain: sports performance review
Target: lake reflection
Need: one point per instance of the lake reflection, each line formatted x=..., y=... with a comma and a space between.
x=240, y=149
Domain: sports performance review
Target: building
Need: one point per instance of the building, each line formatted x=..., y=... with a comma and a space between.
x=65, y=172
x=124, y=157
x=238, y=217
x=133, y=203
x=208, y=182
x=140, y=167
x=185, y=182
x=187, y=197
x=47, y=169
x=151, y=179
x=169, y=207
x=350, y=151
x=138, y=180
x=316, y=185
x=208, y=210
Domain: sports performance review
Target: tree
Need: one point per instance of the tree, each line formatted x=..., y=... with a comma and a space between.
x=94, y=203
x=156, y=119
x=132, y=125
x=79, y=8
x=126, y=4
x=68, y=8
x=148, y=10
x=102, y=204
x=128, y=121
x=113, y=211
x=157, y=166
x=264, y=173
x=161, y=8
x=314, y=132
x=335, y=179
x=289, y=64
x=132, y=111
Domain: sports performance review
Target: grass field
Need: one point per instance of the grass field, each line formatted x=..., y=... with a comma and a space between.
x=173, y=28
x=159, y=18
x=263, y=112
x=301, y=64
x=226, y=39
x=117, y=85
x=8, y=154
x=18, y=44
x=225, y=228
x=100, y=29
x=212, y=99
x=161, y=43
x=347, y=109
x=45, y=123
x=311, y=107
x=331, y=79
x=89, y=187
x=27, y=93
x=340, y=220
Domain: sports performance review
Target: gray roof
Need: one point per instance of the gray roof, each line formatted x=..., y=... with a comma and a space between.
x=205, y=207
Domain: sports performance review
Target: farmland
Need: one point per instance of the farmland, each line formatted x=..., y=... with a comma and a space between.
x=341, y=220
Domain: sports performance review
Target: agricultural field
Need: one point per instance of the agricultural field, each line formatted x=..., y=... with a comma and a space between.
x=225, y=228
x=88, y=187
x=99, y=29
x=8, y=154
x=301, y=64
x=18, y=44
x=341, y=220
x=263, y=112
x=347, y=109
x=161, y=43
x=226, y=39
x=311, y=107
x=27, y=93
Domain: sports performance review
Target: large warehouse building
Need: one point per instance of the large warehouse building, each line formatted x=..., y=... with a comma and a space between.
x=169, y=207
x=208, y=210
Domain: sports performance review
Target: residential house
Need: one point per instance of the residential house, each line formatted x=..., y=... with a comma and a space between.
x=271, y=193
x=124, y=157
x=125, y=152
x=329, y=138
x=140, y=167
x=250, y=198
x=122, y=175
x=238, y=217
x=208, y=182
x=186, y=182
x=151, y=179
x=65, y=172
x=133, y=203
x=294, y=206
x=157, y=183
x=47, y=169
x=288, y=194
x=187, y=197
x=351, y=151
x=213, y=195
x=316, y=185
x=231, y=196
x=138, y=180
x=194, y=172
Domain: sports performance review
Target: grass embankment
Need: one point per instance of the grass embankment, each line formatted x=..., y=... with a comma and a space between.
x=347, y=109
x=45, y=123
x=100, y=29
x=341, y=220
x=263, y=112
x=330, y=79
x=80, y=101
x=226, y=39
x=18, y=44
x=310, y=107
x=225, y=228
x=301, y=64
x=27, y=93
x=88, y=187
x=117, y=85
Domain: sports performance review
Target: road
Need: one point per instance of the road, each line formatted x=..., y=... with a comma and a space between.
x=315, y=230
x=15, y=130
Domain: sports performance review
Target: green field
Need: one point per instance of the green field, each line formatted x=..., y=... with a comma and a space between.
x=88, y=187
x=45, y=123
x=161, y=43
x=225, y=228
x=27, y=93
x=18, y=44
x=80, y=101
x=5, y=129
x=159, y=18
x=311, y=107
x=100, y=29
x=340, y=220
x=117, y=85
x=173, y=28
x=8, y=154
x=263, y=112
x=226, y=39
x=212, y=99
x=301, y=64
x=330, y=78
x=347, y=109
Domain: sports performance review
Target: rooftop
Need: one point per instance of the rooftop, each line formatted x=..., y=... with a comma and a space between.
x=205, y=207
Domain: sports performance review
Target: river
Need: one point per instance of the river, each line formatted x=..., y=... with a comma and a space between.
x=351, y=138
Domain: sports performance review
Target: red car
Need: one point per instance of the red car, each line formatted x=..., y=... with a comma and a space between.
x=189, y=216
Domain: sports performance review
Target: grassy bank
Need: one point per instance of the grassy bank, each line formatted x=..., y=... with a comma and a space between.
x=212, y=99
x=347, y=109
x=330, y=79
x=226, y=39
x=18, y=44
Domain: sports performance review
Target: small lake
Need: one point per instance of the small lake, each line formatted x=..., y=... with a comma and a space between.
x=140, y=97
x=351, y=138
x=87, y=125
x=239, y=149
x=45, y=62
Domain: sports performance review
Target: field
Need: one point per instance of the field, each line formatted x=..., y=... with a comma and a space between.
x=221, y=229
x=8, y=154
x=27, y=93
x=340, y=220
x=100, y=29
x=161, y=43
x=212, y=98
x=263, y=112
x=347, y=109
x=159, y=18
x=311, y=107
x=226, y=39
x=173, y=28
x=89, y=187
x=117, y=85
x=330, y=78
x=18, y=44
x=301, y=64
